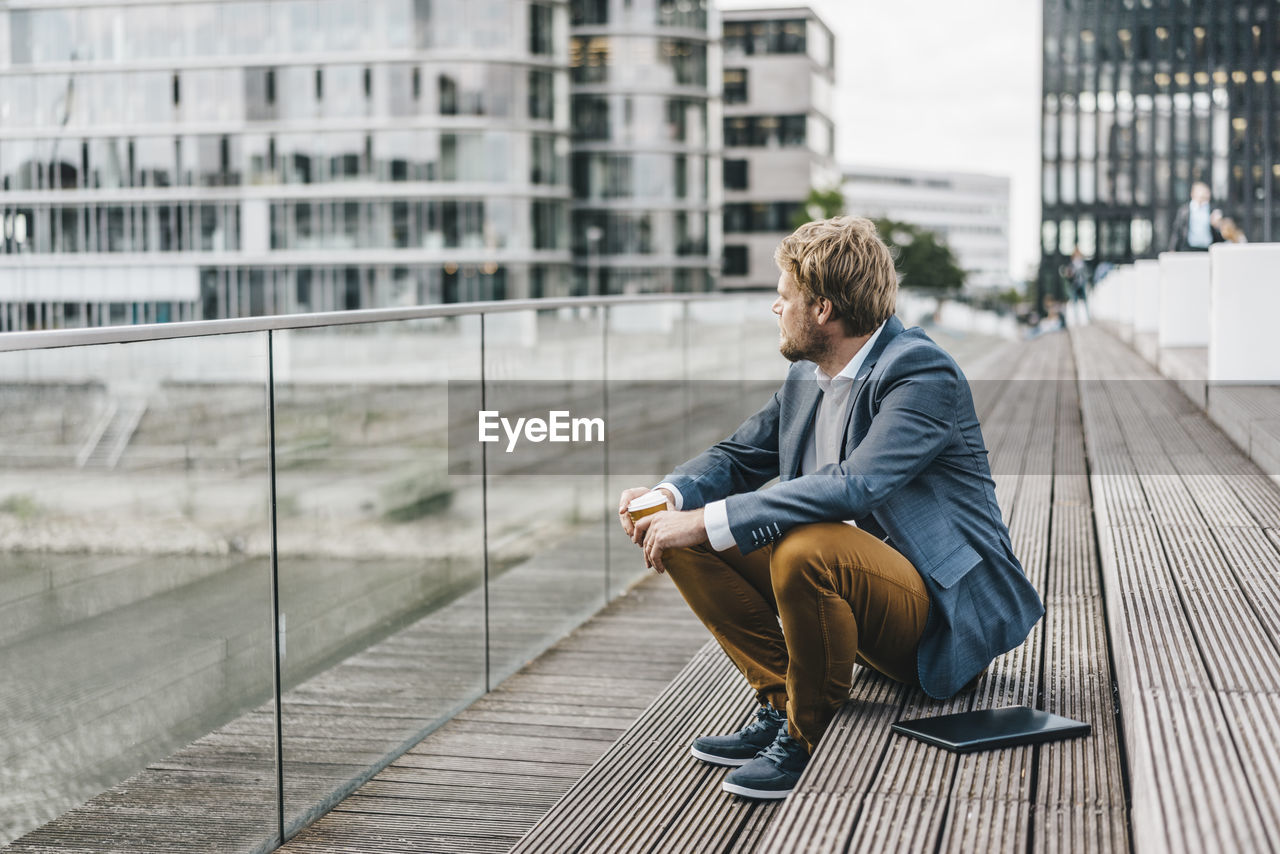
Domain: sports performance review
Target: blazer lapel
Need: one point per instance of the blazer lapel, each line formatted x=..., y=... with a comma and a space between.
x=892, y=327
x=798, y=421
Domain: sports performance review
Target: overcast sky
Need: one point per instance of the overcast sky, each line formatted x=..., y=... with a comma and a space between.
x=941, y=84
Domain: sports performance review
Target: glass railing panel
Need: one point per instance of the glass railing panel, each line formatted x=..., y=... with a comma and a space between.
x=650, y=400
x=381, y=547
x=135, y=595
x=734, y=364
x=547, y=500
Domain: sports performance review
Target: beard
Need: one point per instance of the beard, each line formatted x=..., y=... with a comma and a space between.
x=806, y=346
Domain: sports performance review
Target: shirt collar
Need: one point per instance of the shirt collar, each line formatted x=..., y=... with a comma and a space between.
x=849, y=371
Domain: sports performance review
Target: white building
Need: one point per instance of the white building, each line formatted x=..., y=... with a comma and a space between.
x=970, y=212
x=779, y=139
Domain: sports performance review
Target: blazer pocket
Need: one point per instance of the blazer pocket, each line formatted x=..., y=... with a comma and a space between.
x=955, y=566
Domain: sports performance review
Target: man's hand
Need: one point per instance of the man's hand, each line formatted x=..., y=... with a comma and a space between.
x=629, y=495
x=669, y=529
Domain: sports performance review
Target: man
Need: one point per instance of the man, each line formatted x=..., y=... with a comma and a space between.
x=1076, y=275
x=1194, y=229
x=882, y=545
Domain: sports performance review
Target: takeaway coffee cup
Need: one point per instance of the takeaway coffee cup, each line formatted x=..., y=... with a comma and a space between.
x=649, y=503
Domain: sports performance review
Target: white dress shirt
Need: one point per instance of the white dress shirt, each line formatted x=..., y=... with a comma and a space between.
x=1199, y=226
x=821, y=449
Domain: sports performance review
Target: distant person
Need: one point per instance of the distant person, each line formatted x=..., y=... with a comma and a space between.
x=882, y=544
x=1076, y=275
x=1193, y=228
x=1227, y=227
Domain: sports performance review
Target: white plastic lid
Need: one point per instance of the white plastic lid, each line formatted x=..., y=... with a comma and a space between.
x=646, y=501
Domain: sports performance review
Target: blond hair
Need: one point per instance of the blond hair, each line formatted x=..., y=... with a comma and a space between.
x=843, y=260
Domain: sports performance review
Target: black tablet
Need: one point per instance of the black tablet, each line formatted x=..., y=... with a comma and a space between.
x=987, y=729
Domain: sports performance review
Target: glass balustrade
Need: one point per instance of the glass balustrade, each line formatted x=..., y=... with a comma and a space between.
x=178, y=517
x=135, y=585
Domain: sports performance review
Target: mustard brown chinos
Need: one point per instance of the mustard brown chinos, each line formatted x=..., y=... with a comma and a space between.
x=796, y=615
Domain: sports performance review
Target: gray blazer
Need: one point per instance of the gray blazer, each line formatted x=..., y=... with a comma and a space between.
x=914, y=472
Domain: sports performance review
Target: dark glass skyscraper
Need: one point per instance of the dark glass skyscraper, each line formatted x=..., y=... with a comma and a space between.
x=1142, y=98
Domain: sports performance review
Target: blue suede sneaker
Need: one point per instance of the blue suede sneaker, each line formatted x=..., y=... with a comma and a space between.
x=742, y=746
x=772, y=774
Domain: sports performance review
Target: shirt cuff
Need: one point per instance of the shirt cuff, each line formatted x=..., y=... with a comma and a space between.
x=675, y=493
x=715, y=517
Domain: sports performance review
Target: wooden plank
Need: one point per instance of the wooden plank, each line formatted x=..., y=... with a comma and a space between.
x=482, y=779
x=698, y=814
x=634, y=790
x=1197, y=664
x=903, y=808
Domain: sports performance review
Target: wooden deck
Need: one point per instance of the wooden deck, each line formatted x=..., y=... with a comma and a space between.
x=1188, y=538
x=1155, y=543
x=869, y=790
x=483, y=779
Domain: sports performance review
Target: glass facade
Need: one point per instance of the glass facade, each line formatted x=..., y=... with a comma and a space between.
x=645, y=168
x=288, y=155
x=1140, y=100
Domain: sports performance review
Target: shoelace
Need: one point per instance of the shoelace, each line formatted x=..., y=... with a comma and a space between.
x=778, y=752
x=766, y=716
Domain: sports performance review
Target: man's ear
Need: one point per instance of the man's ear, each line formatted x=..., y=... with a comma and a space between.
x=823, y=310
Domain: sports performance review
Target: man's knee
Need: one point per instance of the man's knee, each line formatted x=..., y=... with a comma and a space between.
x=795, y=561
x=684, y=559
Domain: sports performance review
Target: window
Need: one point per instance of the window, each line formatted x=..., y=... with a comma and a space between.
x=540, y=30
x=548, y=229
x=545, y=165
x=735, y=261
x=447, y=95
x=590, y=117
x=622, y=233
x=589, y=59
x=735, y=85
x=758, y=217
x=541, y=95
x=765, y=131
x=791, y=130
x=735, y=174
x=589, y=12
x=687, y=60
x=686, y=121
x=259, y=93
x=763, y=37
x=692, y=15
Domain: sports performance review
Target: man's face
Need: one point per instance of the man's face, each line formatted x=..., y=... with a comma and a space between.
x=1200, y=193
x=799, y=336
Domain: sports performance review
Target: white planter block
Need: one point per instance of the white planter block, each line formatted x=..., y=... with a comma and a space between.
x=1244, y=309
x=1184, y=299
x=1146, y=298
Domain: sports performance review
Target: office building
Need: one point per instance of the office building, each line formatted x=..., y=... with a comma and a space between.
x=645, y=127
x=779, y=138
x=969, y=212
x=1139, y=102
x=167, y=161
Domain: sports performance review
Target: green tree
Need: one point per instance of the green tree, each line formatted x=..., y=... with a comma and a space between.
x=924, y=262
x=819, y=204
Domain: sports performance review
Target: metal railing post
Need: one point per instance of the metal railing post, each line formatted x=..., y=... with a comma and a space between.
x=276, y=622
x=484, y=515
